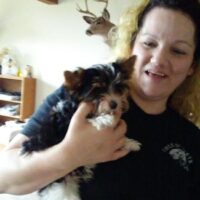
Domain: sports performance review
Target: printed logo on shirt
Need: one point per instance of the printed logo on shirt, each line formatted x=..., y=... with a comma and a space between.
x=179, y=154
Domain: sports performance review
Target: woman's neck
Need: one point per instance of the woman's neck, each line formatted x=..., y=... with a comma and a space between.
x=150, y=106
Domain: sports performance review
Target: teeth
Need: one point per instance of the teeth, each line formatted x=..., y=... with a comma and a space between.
x=159, y=74
x=156, y=73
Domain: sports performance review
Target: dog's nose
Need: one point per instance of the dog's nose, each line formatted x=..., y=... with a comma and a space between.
x=113, y=105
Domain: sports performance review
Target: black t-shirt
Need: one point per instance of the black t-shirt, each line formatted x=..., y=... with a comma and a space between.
x=166, y=168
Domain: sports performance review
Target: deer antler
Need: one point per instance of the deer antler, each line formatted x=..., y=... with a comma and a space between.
x=104, y=1
x=100, y=25
x=85, y=11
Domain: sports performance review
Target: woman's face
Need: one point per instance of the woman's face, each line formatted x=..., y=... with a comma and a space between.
x=164, y=48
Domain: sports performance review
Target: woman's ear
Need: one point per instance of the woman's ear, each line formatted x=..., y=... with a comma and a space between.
x=73, y=79
x=191, y=69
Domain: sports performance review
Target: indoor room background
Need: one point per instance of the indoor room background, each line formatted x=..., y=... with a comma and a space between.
x=51, y=38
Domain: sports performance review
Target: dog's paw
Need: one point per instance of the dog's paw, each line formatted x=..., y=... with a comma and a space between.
x=132, y=145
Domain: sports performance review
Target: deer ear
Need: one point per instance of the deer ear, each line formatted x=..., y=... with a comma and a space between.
x=73, y=79
x=106, y=14
x=127, y=66
x=88, y=19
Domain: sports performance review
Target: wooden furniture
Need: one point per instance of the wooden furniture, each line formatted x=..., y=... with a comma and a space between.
x=49, y=1
x=27, y=87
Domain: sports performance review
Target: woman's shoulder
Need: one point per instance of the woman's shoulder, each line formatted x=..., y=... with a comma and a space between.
x=187, y=131
x=182, y=122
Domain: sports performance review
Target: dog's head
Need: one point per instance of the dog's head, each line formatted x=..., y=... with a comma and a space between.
x=106, y=85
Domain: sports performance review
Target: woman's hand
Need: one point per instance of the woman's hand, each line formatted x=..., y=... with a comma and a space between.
x=89, y=146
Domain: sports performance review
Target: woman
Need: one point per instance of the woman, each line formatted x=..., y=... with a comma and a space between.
x=164, y=36
x=187, y=96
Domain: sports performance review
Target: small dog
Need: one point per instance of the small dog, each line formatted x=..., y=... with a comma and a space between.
x=106, y=86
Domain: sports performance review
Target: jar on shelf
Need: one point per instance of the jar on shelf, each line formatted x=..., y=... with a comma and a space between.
x=28, y=71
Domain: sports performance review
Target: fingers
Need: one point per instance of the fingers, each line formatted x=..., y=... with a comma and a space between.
x=120, y=144
x=97, y=147
x=120, y=129
x=121, y=124
x=83, y=110
x=120, y=153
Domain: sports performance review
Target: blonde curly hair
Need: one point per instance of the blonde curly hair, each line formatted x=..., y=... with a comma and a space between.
x=186, y=99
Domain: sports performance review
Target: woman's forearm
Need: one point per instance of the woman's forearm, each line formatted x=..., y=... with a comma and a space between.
x=82, y=145
x=25, y=174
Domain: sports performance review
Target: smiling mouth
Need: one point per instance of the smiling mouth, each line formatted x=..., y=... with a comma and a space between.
x=155, y=74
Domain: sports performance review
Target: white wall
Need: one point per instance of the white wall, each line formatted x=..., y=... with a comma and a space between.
x=51, y=38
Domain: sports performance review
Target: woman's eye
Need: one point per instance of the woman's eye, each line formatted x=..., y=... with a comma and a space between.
x=149, y=44
x=179, y=52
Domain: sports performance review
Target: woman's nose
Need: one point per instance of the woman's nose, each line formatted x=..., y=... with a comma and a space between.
x=160, y=57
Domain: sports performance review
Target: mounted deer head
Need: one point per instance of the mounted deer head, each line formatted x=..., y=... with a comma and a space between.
x=98, y=25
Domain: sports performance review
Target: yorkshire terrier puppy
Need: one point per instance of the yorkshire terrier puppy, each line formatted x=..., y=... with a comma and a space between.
x=106, y=86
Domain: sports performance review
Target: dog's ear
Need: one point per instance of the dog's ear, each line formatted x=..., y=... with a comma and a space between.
x=73, y=79
x=127, y=66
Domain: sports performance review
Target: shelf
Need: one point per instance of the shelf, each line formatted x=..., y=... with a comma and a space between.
x=11, y=101
x=11, y=77
x=14, y=77
x=10, y=116
x=26, y=87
